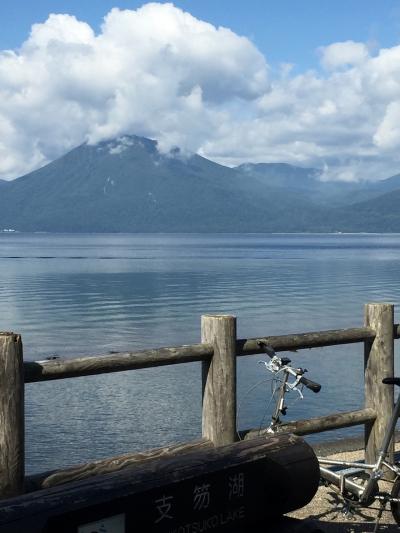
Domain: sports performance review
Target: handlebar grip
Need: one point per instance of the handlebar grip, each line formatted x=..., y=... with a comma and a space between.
x=312, y=385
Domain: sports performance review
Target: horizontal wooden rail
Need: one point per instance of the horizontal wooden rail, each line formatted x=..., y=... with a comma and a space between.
x=102, y=364
x=320, y=424
x=298, y=341
x=119, y=362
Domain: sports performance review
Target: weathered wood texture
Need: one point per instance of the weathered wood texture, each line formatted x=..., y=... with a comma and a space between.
x=11, y=415
x=119, y=362
x=112, y=464
x=319, y=424
x=378, y=364
x=219, y=379
x=237, y=482
x=102, y=364
x=297, y=341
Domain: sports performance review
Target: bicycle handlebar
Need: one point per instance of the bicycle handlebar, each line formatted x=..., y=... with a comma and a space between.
x=312, y=385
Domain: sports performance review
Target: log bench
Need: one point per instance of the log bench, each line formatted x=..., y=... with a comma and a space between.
x=244, y=486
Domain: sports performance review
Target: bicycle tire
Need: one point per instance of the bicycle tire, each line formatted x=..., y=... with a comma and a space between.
x=395, y=506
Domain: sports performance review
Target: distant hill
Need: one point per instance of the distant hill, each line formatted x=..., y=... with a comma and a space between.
x=387, y=185
x=380, y=214
x=282, y=175
x=306, y=182
x=126, y=185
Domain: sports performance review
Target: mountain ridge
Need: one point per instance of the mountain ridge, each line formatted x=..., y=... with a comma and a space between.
x=127, y=185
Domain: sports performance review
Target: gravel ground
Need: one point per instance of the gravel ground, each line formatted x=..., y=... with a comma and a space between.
x=326, y=508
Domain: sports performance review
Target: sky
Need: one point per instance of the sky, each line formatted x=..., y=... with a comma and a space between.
x=308, y=82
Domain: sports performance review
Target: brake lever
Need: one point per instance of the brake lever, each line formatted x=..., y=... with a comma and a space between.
x=294, y=387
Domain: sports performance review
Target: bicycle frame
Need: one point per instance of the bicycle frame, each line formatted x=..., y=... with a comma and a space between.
x=355, y=493
x=364, y=493
x=280, y=404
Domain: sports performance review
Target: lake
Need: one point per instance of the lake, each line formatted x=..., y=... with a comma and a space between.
x=91, y=294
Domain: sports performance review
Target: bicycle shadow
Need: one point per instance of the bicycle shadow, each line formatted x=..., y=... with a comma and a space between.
x=356, y=527
x=327, y=510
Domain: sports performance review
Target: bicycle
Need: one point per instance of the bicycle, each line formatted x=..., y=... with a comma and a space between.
x=358, y=485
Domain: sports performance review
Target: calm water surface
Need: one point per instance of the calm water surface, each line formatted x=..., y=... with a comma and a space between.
x=85, y=294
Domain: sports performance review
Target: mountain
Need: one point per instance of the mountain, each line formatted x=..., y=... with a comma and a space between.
x=378, y=215
x=307, y=183
x=282, y=175
x=127, y=185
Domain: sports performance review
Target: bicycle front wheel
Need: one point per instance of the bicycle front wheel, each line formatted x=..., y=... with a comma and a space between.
x=395, y=506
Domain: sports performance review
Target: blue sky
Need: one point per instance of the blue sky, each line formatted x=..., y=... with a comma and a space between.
x=285, y=30
x=307, y=82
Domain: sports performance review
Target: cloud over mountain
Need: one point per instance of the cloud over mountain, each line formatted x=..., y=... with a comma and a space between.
x=160, y=72
x=344, y=120
x=156, y=71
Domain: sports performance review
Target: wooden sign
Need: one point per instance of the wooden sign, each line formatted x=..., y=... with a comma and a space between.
x=227, y=489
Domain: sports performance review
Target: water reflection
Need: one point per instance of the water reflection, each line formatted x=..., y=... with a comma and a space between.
x=70, y=295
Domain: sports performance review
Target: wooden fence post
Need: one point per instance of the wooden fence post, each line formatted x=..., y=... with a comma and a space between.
x=12, y=456
x=219, y=379
x=378, y=364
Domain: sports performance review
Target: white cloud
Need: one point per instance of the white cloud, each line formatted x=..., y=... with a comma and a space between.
x=156, y=71
x=343, y=54
x=161, y=73
x=388, y=133
x=64, y=29
x=345, y=121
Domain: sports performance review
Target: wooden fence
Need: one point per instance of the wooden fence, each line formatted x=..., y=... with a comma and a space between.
x=217, y=352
